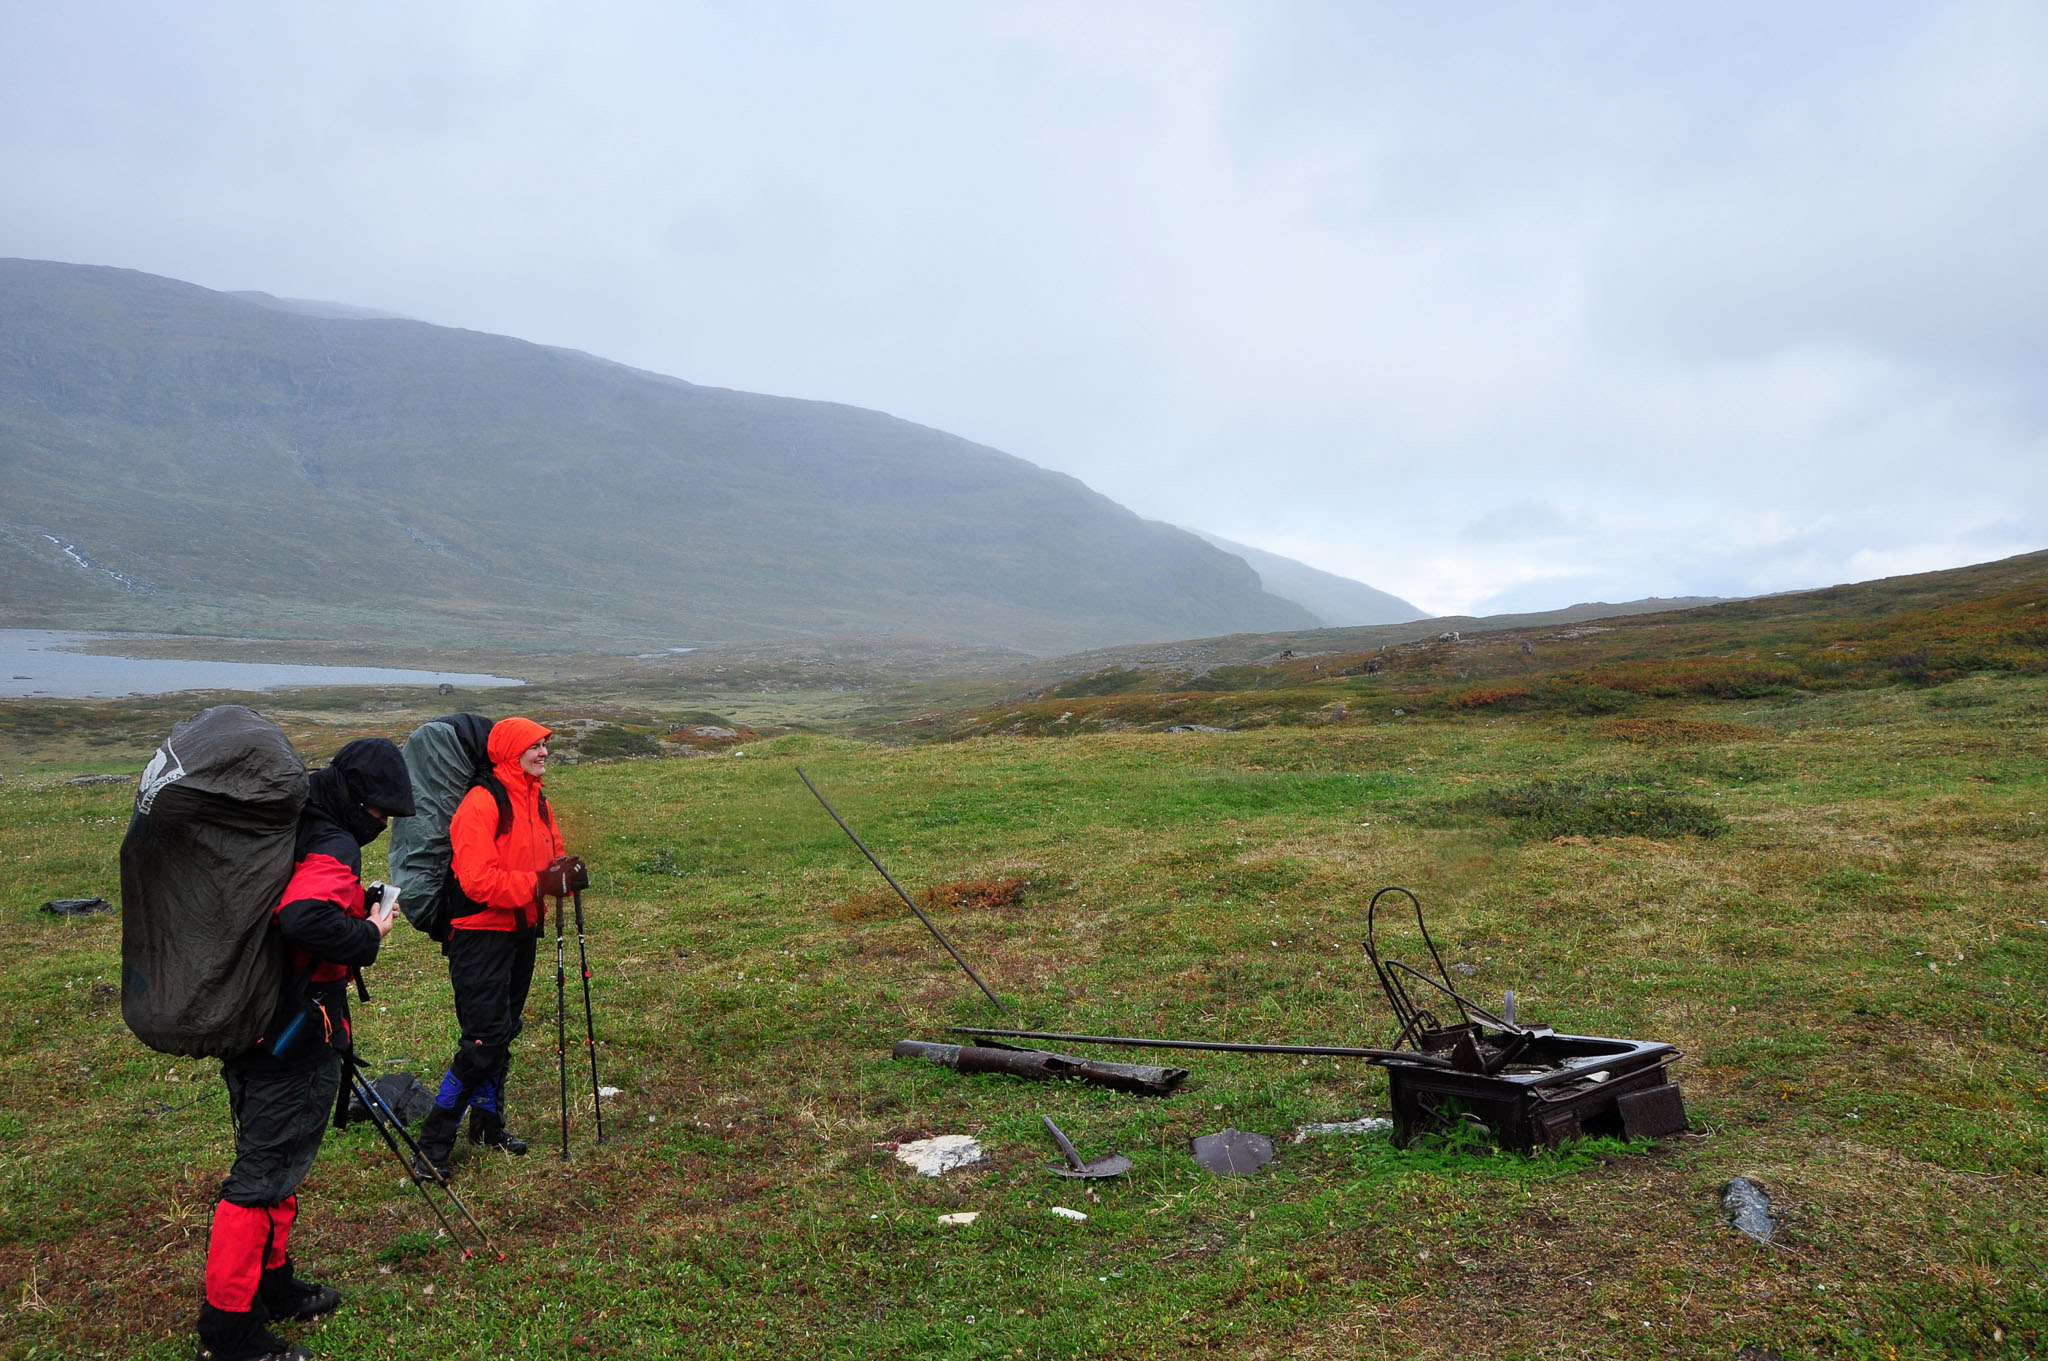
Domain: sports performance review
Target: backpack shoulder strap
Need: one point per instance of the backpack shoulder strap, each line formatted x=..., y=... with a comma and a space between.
x=500, y=796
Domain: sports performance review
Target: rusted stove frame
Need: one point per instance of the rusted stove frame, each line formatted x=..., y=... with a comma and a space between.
x=1530, y=1085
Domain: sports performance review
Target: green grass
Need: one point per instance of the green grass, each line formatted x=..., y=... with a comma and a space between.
x=1853, y=966
x=1595, y=807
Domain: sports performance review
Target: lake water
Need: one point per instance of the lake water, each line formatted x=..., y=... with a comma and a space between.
x=43, y=663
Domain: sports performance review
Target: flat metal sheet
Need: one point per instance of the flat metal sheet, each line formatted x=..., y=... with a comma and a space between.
x=1232, y=1152
x=1660, y=1110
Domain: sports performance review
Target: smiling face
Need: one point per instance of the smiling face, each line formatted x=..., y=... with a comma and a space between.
x=534, y=760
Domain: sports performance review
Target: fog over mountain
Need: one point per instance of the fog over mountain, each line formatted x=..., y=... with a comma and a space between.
x=1336, y=602
x=177, y=458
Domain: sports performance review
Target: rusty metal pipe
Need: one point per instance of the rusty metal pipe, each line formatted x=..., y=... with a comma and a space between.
x=1220, y=1046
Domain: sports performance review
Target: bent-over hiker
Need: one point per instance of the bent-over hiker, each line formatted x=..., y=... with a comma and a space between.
x=282, y=1092
x=507, y=853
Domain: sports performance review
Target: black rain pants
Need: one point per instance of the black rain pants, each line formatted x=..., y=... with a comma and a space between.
x=491, y=972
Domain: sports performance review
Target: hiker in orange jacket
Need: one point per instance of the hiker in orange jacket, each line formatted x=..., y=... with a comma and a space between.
x=507, y=854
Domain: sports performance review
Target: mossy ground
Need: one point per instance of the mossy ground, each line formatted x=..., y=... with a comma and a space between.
x=1854, y=967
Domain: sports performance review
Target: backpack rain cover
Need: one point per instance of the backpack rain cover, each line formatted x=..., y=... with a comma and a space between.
x=445, y=758
x=207, y=855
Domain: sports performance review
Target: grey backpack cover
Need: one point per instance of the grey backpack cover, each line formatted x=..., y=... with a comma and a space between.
x=208, y=854
x=444, y=758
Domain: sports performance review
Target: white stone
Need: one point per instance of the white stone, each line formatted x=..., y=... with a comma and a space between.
x=940, y=1154
x=1372, y=1124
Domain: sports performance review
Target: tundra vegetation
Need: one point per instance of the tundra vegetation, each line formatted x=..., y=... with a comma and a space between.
x=1802, y=839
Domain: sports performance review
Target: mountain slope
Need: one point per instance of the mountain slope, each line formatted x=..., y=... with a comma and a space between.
x=173, y=457
x=1336, y=602
x=1590, y=661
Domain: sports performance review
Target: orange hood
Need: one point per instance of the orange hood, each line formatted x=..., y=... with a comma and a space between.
x=510, y=737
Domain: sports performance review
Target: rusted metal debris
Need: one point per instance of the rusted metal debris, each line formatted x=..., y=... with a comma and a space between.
x=1112, y=1164
x=1232, y=1152
x=1452, y=1061
x=1529, y=1084
x=1044, y=1066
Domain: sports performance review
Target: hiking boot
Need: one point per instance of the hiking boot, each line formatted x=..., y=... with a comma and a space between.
x=286, y=1296
x=437, y=1144
x=488, y=1128
x=228, y=1336
x=431, y=1169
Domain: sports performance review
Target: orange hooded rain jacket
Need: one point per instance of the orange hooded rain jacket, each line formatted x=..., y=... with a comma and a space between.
x=503, y=872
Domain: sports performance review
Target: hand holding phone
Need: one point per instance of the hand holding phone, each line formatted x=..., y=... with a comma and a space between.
x=382, y=900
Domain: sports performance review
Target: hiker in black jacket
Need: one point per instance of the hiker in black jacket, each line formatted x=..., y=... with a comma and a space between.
x=283, y=1091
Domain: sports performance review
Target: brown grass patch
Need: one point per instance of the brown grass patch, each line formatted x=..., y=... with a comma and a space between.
x=1672, y=731
x=962, y=894
x=958, y=895
x=871, y=906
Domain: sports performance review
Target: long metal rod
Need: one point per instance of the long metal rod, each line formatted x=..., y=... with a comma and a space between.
x=589, y=1026
x=936, y=934
x=1221, y=1046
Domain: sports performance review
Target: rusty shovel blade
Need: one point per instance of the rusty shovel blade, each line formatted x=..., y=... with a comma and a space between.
x=1114, y=1165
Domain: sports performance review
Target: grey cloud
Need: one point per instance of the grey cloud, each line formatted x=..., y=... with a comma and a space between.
x=1495, y=302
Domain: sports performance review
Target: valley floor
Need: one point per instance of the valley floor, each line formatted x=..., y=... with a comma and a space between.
x=1835, y=904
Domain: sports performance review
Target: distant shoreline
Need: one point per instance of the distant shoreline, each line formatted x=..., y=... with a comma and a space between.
x=53, y=664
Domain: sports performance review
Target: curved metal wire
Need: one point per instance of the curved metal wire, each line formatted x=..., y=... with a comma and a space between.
x=1415, y=1019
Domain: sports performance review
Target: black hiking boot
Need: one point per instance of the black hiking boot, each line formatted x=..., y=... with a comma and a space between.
x=286, y=1296
x=228, y=1336
x=437, y=1144
x=488, y=1128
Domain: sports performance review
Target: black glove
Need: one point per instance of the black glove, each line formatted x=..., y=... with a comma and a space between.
x=564, y=875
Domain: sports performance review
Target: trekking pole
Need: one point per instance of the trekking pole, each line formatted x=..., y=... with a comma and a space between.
x=561, y=1031
x=386, y=1120
x=901, y=894
x=589, y=1026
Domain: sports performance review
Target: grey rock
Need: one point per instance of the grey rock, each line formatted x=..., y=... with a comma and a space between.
x=1464, y=970
x=1749, y=1209
x=98, y=779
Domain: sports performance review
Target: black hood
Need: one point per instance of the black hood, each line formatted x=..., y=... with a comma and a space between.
x=367, y=770
x=474, y=731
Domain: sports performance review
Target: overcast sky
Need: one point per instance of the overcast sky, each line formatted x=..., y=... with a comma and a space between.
x=1494, y=306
